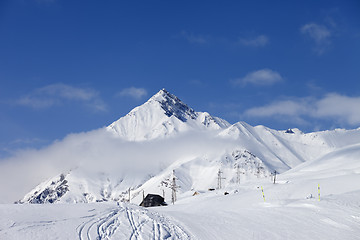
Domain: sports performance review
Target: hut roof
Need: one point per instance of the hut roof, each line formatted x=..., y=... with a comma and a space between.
x=153, y=200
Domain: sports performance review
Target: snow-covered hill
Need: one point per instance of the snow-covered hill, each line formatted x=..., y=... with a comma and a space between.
x=165, y=135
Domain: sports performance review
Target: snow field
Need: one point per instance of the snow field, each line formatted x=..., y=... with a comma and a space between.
x=289, y=212
x=86, y=221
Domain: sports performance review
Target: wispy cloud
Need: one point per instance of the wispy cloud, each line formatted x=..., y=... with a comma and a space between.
x=320, y=34
x=193, y=38
x=262, y=77
x=287, y=110
x=259, y=41
x=58, y=94
x=133, y=92
x=202, y=39
x=85, y=150
x=341, y=108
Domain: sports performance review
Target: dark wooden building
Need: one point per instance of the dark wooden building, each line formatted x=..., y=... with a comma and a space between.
x=153, y=200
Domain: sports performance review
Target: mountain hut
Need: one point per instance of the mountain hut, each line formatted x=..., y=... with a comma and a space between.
x=153, y=200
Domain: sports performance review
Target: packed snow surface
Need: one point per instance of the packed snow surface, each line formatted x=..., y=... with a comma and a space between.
x=291, y=210
x=224, y=177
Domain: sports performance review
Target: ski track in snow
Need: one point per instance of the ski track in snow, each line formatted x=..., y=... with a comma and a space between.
x=130, y=223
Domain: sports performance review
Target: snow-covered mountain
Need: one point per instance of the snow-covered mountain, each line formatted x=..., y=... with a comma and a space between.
x=167, y=135
x=162, y=115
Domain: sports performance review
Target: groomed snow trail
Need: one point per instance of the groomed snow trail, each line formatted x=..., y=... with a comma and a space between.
x=133, y=223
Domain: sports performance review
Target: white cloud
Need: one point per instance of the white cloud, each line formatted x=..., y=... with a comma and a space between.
x=36, y=101
x=259, y=41
x=133, y=92
x=192, y=38
x=320, y=34
x=68, y=92
x=343, y=109
x=284, y=108
x=260, y=77
x=98, y=151
x=57, y=94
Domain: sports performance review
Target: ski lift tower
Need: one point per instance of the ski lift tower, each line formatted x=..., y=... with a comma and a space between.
x=174, y=188
x=219, y=179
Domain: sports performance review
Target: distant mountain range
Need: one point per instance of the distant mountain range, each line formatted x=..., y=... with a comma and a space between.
x=201, y=146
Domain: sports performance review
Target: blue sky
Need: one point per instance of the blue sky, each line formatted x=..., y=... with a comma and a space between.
x=72, y=66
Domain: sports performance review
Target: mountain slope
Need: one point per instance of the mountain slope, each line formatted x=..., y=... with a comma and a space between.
x=139, y=152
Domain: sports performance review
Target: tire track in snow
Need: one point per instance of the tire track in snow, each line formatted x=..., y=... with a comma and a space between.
x=108, y=227
x=135, y=227
x=156, y=230
x=133, y=223
x=168, y=229
x=84, y=229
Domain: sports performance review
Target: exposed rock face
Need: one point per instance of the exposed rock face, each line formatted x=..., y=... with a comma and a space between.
x=249, y=163
x=289, y=131
x=52, y=193
x=173, y=106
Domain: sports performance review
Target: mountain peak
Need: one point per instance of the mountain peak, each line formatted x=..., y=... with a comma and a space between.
x=163, y=94
x=173, y=106
x=162, y=115
x=160, y=93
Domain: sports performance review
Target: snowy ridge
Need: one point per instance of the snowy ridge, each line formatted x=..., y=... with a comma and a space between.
x=162, y=115
x=48, y=192
x=212, y=144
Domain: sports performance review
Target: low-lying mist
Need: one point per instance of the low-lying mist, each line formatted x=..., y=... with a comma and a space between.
x=99, y=151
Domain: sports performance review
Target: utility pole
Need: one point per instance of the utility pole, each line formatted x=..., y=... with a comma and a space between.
x=219, y=179
x=173, y=188
x=238, y=174
x=275, y=175
x=129, y=195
